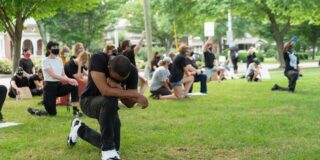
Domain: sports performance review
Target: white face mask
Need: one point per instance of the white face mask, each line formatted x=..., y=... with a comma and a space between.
x=66, y=54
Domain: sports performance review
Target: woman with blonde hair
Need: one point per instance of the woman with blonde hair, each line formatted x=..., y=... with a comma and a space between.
x=251, y=55
x=77, y=49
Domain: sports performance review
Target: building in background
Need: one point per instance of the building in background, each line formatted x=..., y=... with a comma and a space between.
x=30, y=39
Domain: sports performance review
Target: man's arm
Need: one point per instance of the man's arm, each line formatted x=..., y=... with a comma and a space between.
x=138, y=46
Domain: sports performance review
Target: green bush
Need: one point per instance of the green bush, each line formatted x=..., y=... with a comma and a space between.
x=5, y=67
x=271, y=52
x=303, y=55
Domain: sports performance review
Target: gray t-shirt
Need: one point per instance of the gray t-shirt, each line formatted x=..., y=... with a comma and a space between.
x=159, y=76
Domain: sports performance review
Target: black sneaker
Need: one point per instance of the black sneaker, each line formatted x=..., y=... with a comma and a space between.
x=1, y=117
x=157, y=97
x=275, y=87
x=37, y=112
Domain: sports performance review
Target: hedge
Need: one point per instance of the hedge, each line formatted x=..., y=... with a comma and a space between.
x=5, y=67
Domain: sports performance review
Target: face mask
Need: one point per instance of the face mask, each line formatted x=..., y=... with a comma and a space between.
x=19, y=74
x=66, y=54
x=55, y=51
x=26, y=55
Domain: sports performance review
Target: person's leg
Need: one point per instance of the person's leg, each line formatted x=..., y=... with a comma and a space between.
x=292, y=76
x=163, y=91
x=50, y=91
x=203, y=83
x=66, y=89
x=188, y=81
x=177, y=93
x=12, y=93
x=143, y=85
x=196, y=79
x=3, y=95
x=117, y=132
x=208, y=72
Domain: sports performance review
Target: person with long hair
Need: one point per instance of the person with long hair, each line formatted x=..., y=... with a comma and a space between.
x=292, y=69
x=54, y=75
x=251, y=55
x=77, y=49
x=211, y=62
x=180, y=76
x=155, y=60
x=64, y=53
x=129, y=51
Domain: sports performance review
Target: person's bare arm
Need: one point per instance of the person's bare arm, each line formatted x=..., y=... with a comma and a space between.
x=14, y=85
x=191, y=69
x=166, y=85
x=60, y=77
x=38, y=84
x=138, y=46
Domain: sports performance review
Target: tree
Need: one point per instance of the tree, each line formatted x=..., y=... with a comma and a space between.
x=13, y=14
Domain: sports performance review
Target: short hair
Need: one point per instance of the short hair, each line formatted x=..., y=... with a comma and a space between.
x=39, y=70
x=121, y=65
x=25, y=50
x=183, y=48
x=49, y=45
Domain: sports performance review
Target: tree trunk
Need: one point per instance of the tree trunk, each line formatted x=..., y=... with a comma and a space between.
x=16, y=40
x=42, y=32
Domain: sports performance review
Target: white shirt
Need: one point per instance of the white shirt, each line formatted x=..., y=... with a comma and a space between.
x=55, y=64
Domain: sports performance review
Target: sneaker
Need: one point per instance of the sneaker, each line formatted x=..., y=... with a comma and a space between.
x=275, y=87
x=1, y=117
x=110, y=155
x=73, y=135
x=37, y=112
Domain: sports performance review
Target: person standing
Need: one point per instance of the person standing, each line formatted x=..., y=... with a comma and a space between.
x=292, y=70
x=3, y=95
x=110, y=79
x=26, y=63
x=251, y=55
x=54, y=75
x=155, y=60
x=234, y=56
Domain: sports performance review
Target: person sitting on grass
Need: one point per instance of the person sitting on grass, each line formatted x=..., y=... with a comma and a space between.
x=292, y=70
x=17, y=81
x=160, y=85
x=36, y=83
x=180, y=75
x=109, y=79
x=253, y=71
x=54, y=75
x=3, y=95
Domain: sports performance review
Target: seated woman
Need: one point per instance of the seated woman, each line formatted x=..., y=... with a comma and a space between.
x=160, y=85
x=74, y=69
x=253, y=71
x=53, y=75
x=17, y=81
x=36, y=83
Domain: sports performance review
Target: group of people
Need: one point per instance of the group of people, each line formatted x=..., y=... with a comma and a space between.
x=111, y=76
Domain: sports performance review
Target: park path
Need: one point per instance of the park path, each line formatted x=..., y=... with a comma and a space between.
x=5, y=79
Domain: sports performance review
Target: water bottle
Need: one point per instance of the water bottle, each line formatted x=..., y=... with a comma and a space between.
x=17, y=97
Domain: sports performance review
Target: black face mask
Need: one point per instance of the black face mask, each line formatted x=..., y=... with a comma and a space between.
x=20, y=74
x=55, y=51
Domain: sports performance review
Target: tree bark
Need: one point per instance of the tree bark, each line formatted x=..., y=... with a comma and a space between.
x=42, y=32
x=16, y=40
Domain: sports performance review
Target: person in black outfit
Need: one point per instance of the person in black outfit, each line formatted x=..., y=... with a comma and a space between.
x=154, y=62
x=26, y=63
x=74, y=68
x=198, y=76
x=3, y=95
x=36, y=83
x=17, y=81
x=233, y=54
x=251, y=55
x=129, y=51
x=53, y=75
x=291, y=67
x=110, y=79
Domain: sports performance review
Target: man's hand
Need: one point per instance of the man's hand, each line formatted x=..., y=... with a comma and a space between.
x=143, y=101
x=113, y=84
x=72, y=82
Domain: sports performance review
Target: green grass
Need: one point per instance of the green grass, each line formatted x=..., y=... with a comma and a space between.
x=237, y=120
x=273, y=60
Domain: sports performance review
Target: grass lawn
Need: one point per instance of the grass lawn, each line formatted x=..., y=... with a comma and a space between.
x=237, y=120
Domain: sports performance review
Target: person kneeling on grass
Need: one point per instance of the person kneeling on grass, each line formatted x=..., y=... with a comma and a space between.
x=291, y=67
x=17, y=81
x=160, y=85
x=3, y=95
x=253, y=71
x=109, y=79
x=54, y=75
x=36, y=83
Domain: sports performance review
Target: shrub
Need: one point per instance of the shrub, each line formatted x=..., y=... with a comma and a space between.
x=271, y=52
x=243, y=57
x=5, y=67
x=303, y=55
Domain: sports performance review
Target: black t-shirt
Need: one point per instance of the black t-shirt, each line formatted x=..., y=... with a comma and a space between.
x=99, y=63
x=192, y=62
x=233, y=53
x=23, y=82
x=251, y=57
x=178, y=64
x=287, y=61
x=209, y=59
x=154, y=62
x=26, y=64
x=71, y=68
x=33, y=78
x=130, y=54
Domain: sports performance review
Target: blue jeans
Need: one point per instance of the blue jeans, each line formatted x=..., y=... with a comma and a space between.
x=202, y=78
x=208, y=72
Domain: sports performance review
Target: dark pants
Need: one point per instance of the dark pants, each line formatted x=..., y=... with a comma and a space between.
x=292, y=77
x=161, y=91
x=36, y=92
x=3, y=95
x=202, y=78
x=12, y=93
x=52, y=90
x=250, y=77
x=105, y=110
x=235, y=64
